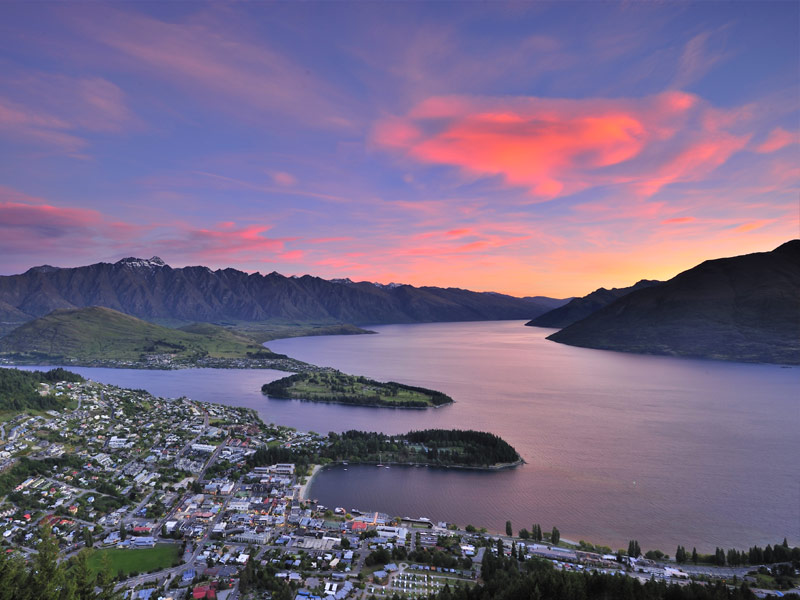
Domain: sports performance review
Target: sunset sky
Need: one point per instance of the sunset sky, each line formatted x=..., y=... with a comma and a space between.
x=525, y=148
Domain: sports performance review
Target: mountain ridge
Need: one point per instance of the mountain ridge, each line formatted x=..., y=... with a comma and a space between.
x=580, y=308
x=744, y=308
x=150, y=289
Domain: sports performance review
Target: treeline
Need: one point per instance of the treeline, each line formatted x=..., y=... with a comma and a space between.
x=508, y=578
x=756, y=555
x=433, y=446
x=19, y=389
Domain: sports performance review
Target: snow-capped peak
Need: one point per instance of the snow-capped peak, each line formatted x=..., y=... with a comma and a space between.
x=150, y=263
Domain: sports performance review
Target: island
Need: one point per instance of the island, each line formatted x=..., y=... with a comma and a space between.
x=340, y=388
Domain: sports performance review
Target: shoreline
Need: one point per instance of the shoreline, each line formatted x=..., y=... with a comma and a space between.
x=490, y=468
x=302, y=492
x=368, y=405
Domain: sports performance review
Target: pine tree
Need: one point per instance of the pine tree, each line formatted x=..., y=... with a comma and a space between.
x=84, y=579
x=555, y=536
x=680, y=555
x=694, y=555
x=46, y=578
x=509, y=531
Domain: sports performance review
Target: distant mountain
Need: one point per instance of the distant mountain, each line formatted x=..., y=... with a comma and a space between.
x=580, y=308
x=745, y=308
x=95, y=333
x=152, y=290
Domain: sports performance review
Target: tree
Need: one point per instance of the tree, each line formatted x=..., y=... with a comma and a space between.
x=555, y=536
x=88, y=539
x=470, y=529
x=123, y=532
x=509, y=531
x=105, y=581
x=680, y=555
x=634, y=551
x=536, y=532
x=84, y=579
x=524, y=534
x=694, y=555
x=46, y=578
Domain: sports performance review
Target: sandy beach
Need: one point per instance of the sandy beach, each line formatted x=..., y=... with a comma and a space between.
x=303, y=491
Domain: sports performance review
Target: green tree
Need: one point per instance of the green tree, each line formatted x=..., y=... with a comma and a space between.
x=46, y=578
x=88, y=539
x=524, y=534
x=123, y=532
x=536, y=532
x=634, y=551
x=509, y=531
x=555, y=536
x=694, y=555
x=105, y=581
x=84, y=579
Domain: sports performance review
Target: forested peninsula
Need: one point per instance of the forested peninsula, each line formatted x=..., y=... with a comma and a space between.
x=340, y=388
x=431, y=447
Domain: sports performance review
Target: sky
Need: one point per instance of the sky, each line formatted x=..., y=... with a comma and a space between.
x=524, y=148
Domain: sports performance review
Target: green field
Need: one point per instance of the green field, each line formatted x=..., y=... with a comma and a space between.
x=333, y=386
x=140, y=560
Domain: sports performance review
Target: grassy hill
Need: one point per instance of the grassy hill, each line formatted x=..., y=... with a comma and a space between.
x=96, y=333
x=341, y=388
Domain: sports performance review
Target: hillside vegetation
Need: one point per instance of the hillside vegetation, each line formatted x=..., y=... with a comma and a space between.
x=333, y=386
x=20, y=390
x=97, y=333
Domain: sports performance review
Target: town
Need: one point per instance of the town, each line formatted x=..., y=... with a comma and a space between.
x=167, y=497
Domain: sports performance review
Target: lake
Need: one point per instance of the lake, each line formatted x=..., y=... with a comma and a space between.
x=618, y=446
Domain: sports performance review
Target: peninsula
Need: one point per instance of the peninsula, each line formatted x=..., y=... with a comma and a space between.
x=103, y=337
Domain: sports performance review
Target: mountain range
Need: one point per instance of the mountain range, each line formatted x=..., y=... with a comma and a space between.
x=152, y=290
x=744, y=308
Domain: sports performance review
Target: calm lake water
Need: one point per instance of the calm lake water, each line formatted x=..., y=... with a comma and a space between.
x=618, y=446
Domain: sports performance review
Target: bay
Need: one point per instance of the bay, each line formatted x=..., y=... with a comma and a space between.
x=618, y=446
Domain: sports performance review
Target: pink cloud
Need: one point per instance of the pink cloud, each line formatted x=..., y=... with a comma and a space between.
x=555, y=147
x=753, y=225
x=677, y=220
x=777, y=139
x=283, y=178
